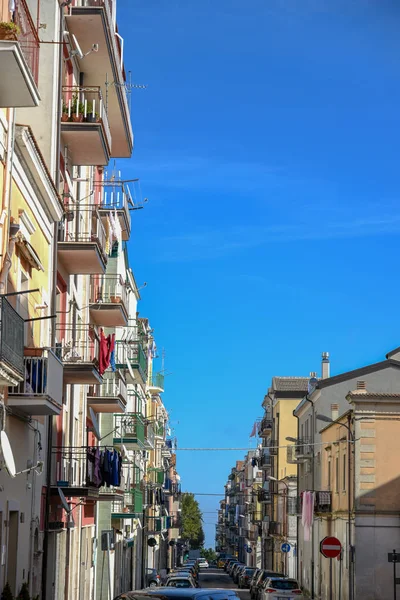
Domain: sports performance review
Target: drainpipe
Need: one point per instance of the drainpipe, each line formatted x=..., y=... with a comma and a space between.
x=350, y=498
x=313, y=489
x=7, y=246
x=53, y=308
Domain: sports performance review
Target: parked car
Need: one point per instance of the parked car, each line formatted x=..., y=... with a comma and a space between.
x=236, y=572
x=153, y=578
x=245, y=576
x=180, y=594
x=279, y=589
x=232, y=566
x=203, y=563
x=229, y=562
x=261, y=580
x=253, y=582
x=179, y=581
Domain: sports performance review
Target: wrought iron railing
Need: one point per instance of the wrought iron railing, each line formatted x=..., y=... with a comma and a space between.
x=11, y=337
x=84, y=104
x=27, y=37
x=157, y=380
x=82, y=223
x=129, y=426
x=113, y=386
x=108, y=289
x=304, y=447
x=134, y=353
x=78, y=344
x=43, y=377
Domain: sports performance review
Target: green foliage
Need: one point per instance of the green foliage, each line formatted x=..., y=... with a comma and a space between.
x=24, y=593
x=7, y=595
x=12, y=28
x=209, y=554
x=192, y=527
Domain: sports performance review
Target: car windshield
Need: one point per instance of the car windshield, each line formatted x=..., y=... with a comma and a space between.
x=250, y=571
x=179, y=583
x=284, y=584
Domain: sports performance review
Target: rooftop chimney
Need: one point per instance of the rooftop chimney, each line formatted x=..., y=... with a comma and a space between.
x=325, y=365
x=313, y=374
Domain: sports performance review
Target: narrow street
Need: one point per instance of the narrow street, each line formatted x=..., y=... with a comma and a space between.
x=217, y=578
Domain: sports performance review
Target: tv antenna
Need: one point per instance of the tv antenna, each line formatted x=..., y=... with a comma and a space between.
x=128, y=85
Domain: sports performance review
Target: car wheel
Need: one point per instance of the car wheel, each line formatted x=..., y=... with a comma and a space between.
x=153, y=584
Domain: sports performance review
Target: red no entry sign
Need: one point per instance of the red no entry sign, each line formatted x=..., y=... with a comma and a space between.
x=330, y=547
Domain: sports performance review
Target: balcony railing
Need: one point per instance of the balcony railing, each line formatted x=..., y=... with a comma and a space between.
x=113, y=386
x=156, y=476
x=27, y=37
x=77, y=345
x=108, y=289
x=303, y=447
x=85, y=105
x=264, y=496
x=135, y=354
x=11, y=344
x=149, y=435
x=130, y=506
x=266, y=425
x=157, y=381
x=265, y=461
x=83, y=224
x=42, y=389
x=293, y=505
x=129, y=429
x=114, y=195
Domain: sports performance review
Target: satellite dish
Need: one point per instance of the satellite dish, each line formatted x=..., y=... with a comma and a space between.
x=312, y=384
x=96, y=428
x=64, y=501
x=79, y=52
x=8, y=456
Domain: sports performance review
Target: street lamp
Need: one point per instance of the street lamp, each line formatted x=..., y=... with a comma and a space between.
x=291, y=439
x=350, y=438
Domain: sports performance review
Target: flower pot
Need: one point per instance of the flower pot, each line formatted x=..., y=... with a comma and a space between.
x=8, y=33
x=64, y=117
x=77, y=118
x=92, y=119
x=115, y=299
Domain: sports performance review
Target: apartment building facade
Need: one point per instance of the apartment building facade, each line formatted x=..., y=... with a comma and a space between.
x=80, y=399
x=327, y=399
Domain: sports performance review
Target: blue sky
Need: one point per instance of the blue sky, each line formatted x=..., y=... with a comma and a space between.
x=267, y=145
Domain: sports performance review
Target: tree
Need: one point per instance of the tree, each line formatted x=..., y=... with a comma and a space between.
x=192, y=522
x=209, y=554
x=7, y=595
x=24, y=593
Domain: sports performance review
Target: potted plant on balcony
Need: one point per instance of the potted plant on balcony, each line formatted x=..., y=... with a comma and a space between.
x=77, y=110
x=9, y=31
x=91, y=118
x=64, y=117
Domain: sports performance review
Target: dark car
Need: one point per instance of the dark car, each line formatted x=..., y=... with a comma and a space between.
x=165, y=593
x=260, y=582
x=153, y=578
x=245, y=576
x=232, y=566
x=229, y=562
x=253, y=581
x=236, y=572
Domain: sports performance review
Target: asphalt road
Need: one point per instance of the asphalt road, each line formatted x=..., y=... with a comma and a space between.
x=217, y=578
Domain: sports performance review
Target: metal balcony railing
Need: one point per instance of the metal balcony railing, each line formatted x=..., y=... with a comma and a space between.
x=135, y=354
x=108, y=289
x=129, y=427
x=27, y=37
x=83, y=224
x=77, y=345
x=149, y=435
x=273, y=447
x=11, y=338
x=113, y=386
x=293, y=505
x=265, y=461
x=43, y=377
x=266, y=425
x=85, y=105
x=157, y=380
x=264, y=496
x=303, y=447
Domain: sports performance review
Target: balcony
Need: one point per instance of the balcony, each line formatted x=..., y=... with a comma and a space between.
x=114, y=196
x=265, y=462
x=130, y=506
x=108, y=302
x=156, y=383
x=273, y=447
x=264, y=496
x=293, y=505
x=42, y=390
x=12, y=366
x=84, y=126
x=75, y=491
x=109, y=396
x=82, y=241
x=274, y=528
x=149, y=435
x=323, y=502
x=303, y=448
x=266, y=426
x=156, y=476
x=93, y=22
x=19, y=61
x=131, y=356
x=78, y=349
x=129, y=431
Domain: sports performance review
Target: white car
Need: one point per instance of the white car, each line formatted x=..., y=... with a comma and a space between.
x=203, y=563
x=177, y=581
x=277, y=588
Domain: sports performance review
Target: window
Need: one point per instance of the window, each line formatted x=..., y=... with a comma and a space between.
x=329, y=474
x=344, y=472
x=337, y=475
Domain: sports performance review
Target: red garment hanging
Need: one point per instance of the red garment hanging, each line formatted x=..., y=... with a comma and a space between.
x=107, y=345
